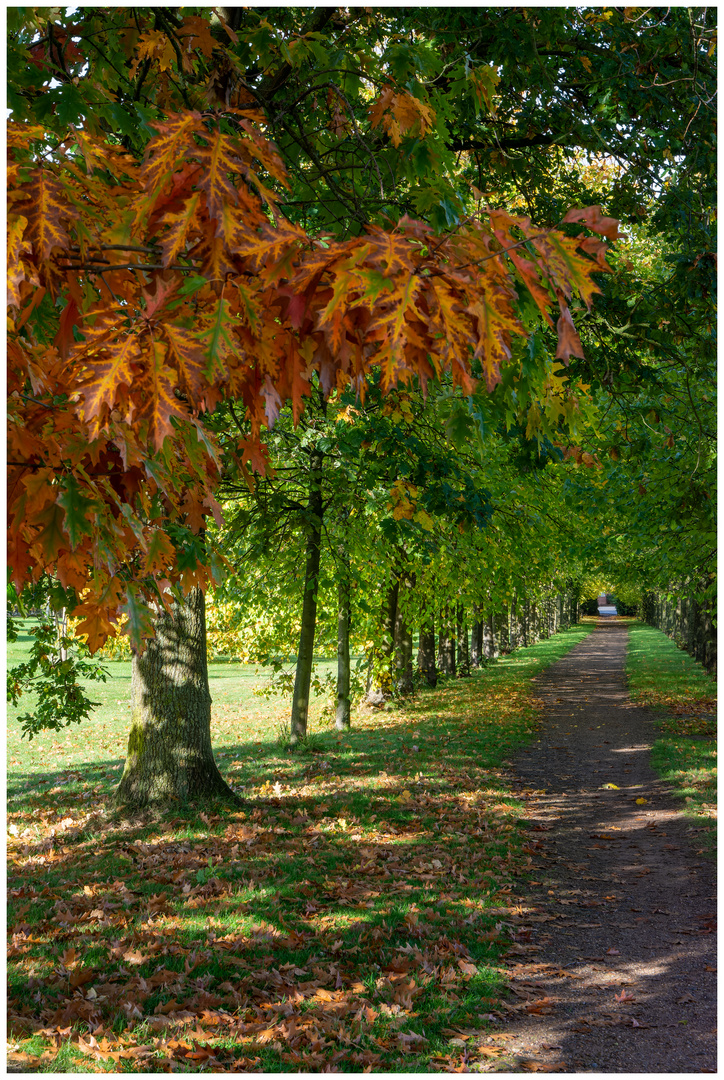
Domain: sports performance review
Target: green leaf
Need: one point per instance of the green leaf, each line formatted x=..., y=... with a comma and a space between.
x=76, y=508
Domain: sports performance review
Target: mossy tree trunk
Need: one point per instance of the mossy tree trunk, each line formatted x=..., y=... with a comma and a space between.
x=305, y=657
x=169, y=757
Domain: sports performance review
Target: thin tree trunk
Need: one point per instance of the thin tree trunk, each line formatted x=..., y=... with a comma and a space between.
x=514, y=631
x=343, y=710
x=476, y=638
x=305, y=657
x=403, y=657
x=446, y=643
x=463, y=649
x=169, y=757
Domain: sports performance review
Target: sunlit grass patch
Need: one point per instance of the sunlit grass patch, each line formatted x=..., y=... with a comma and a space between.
x=683, y=696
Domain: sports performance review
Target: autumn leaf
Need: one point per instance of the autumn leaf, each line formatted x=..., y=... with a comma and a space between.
x=47, y=211
x=51, y=538
x=108, y=364
x=569, y=343
x=593, y=219
x=401, y=114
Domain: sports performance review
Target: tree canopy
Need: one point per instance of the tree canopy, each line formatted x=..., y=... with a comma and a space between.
x=214, y=215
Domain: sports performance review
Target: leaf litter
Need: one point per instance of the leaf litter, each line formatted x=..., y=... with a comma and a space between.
x=352, y=918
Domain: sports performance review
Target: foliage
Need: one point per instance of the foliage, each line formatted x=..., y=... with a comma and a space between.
x=215, y=294
x=54, y=675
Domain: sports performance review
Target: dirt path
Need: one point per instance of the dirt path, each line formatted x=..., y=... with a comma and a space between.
x=616, y=949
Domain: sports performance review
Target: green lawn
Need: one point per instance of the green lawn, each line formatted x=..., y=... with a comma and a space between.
x=354, y=915
x=683, y=695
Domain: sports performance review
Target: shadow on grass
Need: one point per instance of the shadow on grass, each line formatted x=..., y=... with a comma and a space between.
x=356, y=911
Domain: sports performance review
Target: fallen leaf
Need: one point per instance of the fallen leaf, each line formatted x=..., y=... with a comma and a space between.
x=640, y=802
x=540, y=1066
x=81, y=976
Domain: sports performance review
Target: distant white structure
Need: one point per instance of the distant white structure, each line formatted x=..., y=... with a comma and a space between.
x=607, y=609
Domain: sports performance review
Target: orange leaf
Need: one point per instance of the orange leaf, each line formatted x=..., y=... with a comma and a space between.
x=48, y=210
x=593, y=219
x=158, y=403
x=110, y=364
x=569, y=343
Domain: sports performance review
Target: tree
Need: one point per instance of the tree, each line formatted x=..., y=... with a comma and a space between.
x=152, y=145
x=169, y=745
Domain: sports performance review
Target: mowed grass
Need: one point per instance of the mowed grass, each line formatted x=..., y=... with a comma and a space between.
x=355, y=915
x=677, y=688
x=238, y=713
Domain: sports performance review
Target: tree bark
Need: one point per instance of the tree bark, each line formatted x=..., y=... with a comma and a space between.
x=343, y=709
x=169, y=757
x=489, y=637
x=476, y=638
x=426, y=652
x=305, y=656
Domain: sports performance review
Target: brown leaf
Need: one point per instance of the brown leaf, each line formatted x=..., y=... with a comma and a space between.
x=569, y=343
x=132, y=956
x=81, y=976
x=70, y=957
x=541, y=1007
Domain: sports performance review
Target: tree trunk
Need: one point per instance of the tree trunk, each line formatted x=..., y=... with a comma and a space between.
x=514, y=624
x=488, y=637
x=343, y=710
x=426, y=652
x=305, y=656
x=502, y=625
x=446, y=643
x=169, y=746
x=463, y=649
x=403, y=641
x=476, y=638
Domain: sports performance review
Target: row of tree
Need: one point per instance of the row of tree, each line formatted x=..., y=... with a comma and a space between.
x=280, y=295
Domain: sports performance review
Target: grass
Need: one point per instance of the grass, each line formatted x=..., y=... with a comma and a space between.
x=237, y=711
x=355, y=915
x=683, y=695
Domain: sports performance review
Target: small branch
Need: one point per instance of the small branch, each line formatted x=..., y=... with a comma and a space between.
x=119, y=247
x=103, y=267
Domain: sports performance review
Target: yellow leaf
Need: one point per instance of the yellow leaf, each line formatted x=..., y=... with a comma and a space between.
x=640, y=802
x=425, y=520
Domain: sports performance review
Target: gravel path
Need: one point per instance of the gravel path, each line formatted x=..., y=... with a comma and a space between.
x=614, y=965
